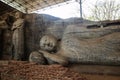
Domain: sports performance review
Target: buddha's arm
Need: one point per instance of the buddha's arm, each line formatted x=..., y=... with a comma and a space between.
x=55, y=57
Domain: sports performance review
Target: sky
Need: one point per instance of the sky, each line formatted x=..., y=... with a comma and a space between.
x=70, y=9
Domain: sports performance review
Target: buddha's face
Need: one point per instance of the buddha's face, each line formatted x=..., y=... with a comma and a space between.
x=48, y=43
x=18, y=15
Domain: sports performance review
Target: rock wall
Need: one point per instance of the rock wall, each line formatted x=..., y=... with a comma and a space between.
x=37, y=25
x=1, y=44
x=56, y=29
x=5, y=36
x=34, y=28
x=7, y=44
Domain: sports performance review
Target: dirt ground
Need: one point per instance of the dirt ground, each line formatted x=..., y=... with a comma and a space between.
x=23, y=70
x=20, y=70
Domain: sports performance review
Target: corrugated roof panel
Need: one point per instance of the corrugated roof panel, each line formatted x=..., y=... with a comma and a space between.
x=31, y=5
x=14, y=5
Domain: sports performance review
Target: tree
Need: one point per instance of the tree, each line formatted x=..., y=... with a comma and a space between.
x=106, y=10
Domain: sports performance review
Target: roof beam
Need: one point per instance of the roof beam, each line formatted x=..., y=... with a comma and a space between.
x=45, y=1
x=13, y=4
x=31, y=5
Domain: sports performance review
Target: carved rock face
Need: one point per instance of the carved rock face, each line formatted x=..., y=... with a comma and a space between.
x=37, y=57
x=18, y=15
x=102, y=50
x=48, y=43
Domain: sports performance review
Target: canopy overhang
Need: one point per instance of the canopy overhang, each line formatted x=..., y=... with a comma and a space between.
x=27, y=6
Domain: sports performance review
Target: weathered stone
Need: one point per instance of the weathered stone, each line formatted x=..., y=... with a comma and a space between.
x=37, y=57
x=6, y=43
x=82, y=31
x=18, y=36
x=48, y=43
x=6, y=22
x=3, y=24
x=101, y=50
